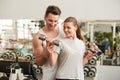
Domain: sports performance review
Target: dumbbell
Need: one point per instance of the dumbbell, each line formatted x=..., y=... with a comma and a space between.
x=93, y=60
x=5, y=55
x=92, y=72
x=29, y=57
x=12, y=55
x=43, y=38
x=18, y=53
x=99, y=52
x=86, y=70
x=37, y=69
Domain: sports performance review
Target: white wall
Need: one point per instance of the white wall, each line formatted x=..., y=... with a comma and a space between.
x=108, y=73
x=82, y=9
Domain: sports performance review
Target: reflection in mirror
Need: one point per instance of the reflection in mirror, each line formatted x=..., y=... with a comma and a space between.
x=106, y=34
x=17, y=34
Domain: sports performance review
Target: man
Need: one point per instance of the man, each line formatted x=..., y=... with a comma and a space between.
x=106, y=44
x=52, y=31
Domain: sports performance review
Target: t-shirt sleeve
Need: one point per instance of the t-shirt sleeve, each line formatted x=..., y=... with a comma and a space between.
x=57, y=49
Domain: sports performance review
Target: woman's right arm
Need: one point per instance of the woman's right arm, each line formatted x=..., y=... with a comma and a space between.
x=53, y=54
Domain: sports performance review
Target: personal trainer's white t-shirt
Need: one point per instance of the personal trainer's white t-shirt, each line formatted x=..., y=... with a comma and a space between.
x=71, y=59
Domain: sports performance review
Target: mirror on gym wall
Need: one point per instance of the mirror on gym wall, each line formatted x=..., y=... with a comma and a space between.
x=16, y=34
x=106, y=34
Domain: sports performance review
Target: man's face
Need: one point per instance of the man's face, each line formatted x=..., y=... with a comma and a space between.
x=51, y=20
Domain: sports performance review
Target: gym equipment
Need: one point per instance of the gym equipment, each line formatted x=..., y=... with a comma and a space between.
x=93, y=60
x=9, y=67
x=86, y=70
x=17, y=72
x=92, y=72
x=43, y=38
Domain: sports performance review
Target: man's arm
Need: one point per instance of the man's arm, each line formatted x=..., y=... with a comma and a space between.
x=38, y=50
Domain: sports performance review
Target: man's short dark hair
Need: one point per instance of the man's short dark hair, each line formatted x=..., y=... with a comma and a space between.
x=53, y=9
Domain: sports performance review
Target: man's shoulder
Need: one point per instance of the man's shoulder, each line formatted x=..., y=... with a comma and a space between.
x=35, y=35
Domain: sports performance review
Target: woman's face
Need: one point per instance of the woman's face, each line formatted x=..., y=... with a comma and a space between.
x=70, y=30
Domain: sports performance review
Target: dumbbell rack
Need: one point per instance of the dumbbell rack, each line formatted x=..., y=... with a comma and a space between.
x=27, y=62
x=89, y=75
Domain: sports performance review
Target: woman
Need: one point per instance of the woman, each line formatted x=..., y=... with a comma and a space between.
x=70, y=51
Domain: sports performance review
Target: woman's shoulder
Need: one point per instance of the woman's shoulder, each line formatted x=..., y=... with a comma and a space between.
x=63, y=39
x=81, y=41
